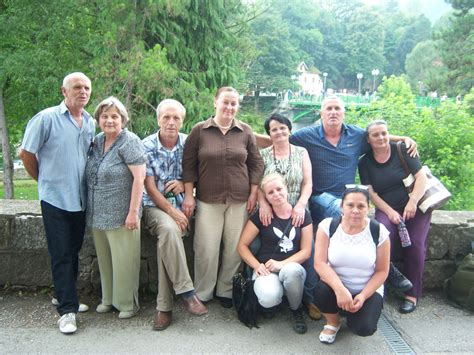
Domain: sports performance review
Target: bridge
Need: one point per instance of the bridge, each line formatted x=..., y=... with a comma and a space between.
x=308, y=105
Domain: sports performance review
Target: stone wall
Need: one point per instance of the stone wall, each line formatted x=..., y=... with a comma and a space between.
x=24, y=259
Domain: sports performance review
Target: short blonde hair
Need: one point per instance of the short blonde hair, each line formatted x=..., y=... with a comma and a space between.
x=108, y=103
x=270, y=177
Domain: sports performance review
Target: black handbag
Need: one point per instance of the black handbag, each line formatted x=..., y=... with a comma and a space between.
x=244, y=299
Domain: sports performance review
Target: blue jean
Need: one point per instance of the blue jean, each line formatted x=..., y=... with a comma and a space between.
x=323, y=206
x=64, y=235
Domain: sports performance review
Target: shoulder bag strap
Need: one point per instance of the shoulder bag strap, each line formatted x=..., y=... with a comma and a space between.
x=375, y=231
x=402, y=159
x=335, y=222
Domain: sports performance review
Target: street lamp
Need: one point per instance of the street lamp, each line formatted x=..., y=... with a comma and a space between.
x=420, y=85
x=325, y=75
x=359, y=77
x=375, y=72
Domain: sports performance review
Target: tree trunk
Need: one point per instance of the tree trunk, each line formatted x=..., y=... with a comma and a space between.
x=7, y=159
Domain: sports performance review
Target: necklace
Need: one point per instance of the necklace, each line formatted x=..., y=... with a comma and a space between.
x=280, y=168
x=223, y=127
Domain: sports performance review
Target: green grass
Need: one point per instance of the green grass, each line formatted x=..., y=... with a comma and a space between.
x=25, y=189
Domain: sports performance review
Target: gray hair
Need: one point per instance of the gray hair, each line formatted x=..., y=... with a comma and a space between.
x=375, y=123
x=111, y=102
x=68, y=78
x=332, y=98
x=171, y=102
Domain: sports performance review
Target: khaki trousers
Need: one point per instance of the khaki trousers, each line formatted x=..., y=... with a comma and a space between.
x=216, y=223
x=118, y=254
x=173, y=272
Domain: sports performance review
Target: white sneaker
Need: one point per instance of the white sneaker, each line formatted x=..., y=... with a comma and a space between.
x=82, y=307
x=67, y=323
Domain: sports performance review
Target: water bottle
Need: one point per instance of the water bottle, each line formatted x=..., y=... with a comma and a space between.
x=171, y=198
x=403, y=234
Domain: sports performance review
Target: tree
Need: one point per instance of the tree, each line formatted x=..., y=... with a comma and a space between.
x=140, y=51
x=456, y=47
x=276, y=58
x=425, y=68
x=364, y=44
x=32, y=61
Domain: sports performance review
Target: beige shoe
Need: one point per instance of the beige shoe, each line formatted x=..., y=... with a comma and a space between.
x=103, y=308
x=313, y=312
x=128, y=314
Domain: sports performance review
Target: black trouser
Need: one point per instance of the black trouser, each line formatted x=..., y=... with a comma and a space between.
x=64, y=234
x=363, y=322
x=312, y=278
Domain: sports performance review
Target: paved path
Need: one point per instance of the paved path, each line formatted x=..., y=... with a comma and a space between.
x=28, y=325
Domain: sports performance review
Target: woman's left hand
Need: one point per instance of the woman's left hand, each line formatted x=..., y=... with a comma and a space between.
x=297, y=215
x=132, y=221
x=273, y=265
x=410, y=209
x=357, y=303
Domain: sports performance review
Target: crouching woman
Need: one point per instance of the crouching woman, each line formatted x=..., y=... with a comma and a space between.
x=284, y=247
x=353, y=265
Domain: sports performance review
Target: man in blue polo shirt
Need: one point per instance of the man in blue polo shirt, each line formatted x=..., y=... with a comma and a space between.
x=54, y=152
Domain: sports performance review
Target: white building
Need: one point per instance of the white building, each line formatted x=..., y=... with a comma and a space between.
x=309, y=80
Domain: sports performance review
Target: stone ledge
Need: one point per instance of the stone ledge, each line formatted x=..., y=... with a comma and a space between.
x=24, y=258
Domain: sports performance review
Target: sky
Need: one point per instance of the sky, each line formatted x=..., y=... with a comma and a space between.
x=433, y=9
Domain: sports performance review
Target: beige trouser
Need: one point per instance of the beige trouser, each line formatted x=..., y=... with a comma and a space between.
x=173, y=272
x=118, y=254
x=216, y=223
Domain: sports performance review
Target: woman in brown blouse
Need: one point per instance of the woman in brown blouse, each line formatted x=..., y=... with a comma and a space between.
x=222, y=161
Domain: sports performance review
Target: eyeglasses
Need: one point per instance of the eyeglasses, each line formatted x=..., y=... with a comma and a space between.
x=357, y=187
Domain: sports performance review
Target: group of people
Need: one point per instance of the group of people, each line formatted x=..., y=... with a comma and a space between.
x=254, y=205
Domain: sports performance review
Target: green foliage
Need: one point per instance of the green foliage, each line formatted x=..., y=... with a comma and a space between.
x=25, y=189
x=444, y=136
x=456, y=47
x=139, y=51
x=275, y=61
x=424, y=65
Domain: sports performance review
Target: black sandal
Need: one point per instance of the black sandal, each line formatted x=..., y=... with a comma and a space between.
x=407, y=306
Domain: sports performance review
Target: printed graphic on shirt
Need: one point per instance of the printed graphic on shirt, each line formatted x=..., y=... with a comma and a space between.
x=286, y=242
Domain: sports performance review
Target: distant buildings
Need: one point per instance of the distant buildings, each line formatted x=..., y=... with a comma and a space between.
x=309, y=80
